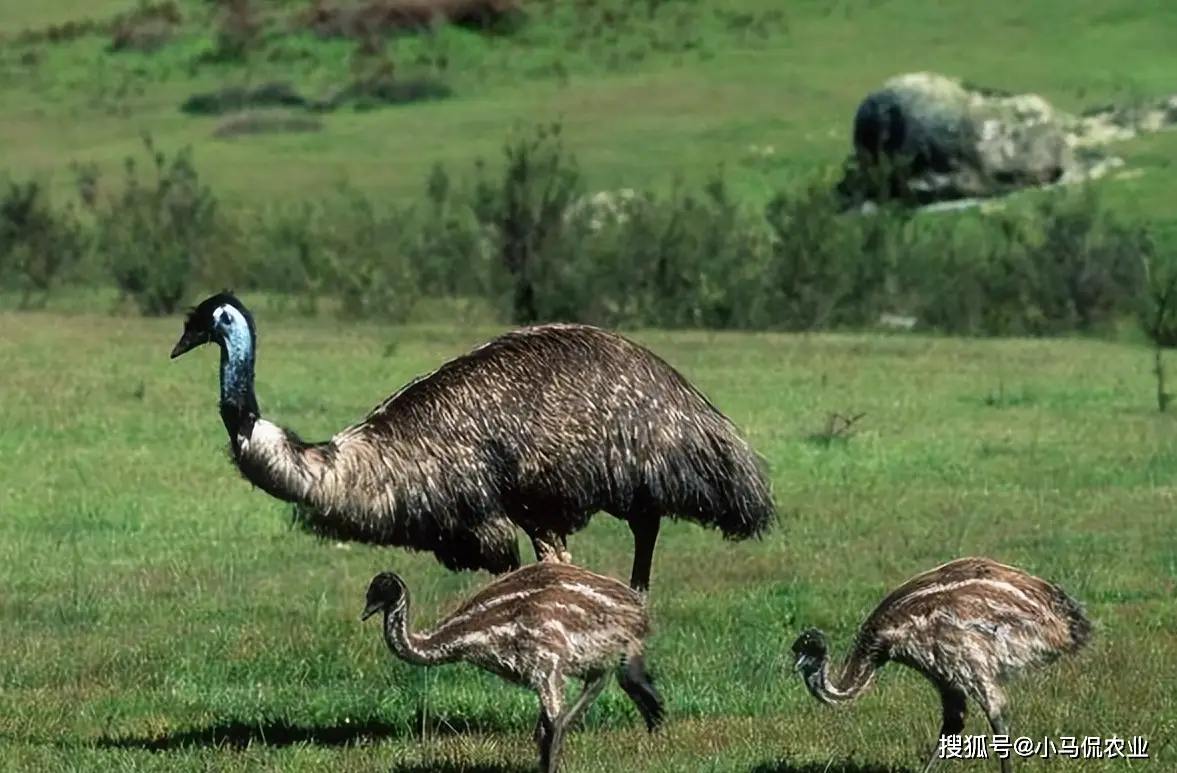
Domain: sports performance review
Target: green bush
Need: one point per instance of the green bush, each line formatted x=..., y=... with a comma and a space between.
x=39, y=244
x=367, y=257
x=525, y=240
x=682, y=261
x=159, y=237
x=522, y=213
x=1065, y=265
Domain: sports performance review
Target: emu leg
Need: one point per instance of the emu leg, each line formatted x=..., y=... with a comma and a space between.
x=593, y=685
x=592, y=688
x=645, y=535
x=637, y=684
x=994, y=706
x=954, y=706
x=550, y=732
x=550, y=546
x=547, y=737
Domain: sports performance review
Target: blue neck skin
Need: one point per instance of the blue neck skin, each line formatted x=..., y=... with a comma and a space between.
x=239, y=408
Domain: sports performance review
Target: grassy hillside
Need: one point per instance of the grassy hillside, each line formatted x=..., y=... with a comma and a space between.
x=645, y=89
x=154, y=605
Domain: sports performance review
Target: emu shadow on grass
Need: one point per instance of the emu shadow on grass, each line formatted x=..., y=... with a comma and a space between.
x=841, y=766
x=239, y=735
x=461, y=767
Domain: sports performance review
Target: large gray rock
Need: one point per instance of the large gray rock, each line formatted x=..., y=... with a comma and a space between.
x=927, y=138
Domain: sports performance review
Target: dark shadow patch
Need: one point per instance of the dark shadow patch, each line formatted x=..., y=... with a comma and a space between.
x=844, y=766
x=362, y=94
x=234, y=98
x=239, y=735
x=462, y=767
x=385, y=91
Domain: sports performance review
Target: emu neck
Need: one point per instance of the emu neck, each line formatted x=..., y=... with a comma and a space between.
x=407, y=646
x=270, y=457
x=239, y=408
x=856, y=677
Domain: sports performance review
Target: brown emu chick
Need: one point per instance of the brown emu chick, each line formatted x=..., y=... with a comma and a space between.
x=537, y=429
x=536, y=627
x=969, y=626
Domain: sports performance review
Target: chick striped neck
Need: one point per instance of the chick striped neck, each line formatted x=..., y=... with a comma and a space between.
x=856, y=677
x=407, y=646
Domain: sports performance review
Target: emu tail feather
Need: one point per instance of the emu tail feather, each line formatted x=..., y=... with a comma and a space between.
x=639, y=686
x=1079, y=627
x=714, y=478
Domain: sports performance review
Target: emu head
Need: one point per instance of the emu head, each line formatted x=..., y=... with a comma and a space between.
x=217, y=319
x=386, y=593
x=810, y=650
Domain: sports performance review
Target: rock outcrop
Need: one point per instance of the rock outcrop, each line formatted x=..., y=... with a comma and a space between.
x=925, y=138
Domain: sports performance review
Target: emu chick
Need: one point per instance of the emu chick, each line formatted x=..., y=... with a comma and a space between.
x=536, y=627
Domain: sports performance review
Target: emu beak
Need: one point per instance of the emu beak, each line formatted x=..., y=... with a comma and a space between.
x=369, y=610
x=189, y=341
x=797, y=665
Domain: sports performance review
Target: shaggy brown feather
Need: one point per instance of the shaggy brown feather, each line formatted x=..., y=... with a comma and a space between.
x=538, y=428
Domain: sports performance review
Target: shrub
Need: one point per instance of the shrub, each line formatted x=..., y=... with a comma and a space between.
x=680, y=261
x=825, y=270
x=1087, y=263
x=238, y=31
x=524, y=210
x=366, y=254
x=1063, y=265
x=147, y=28
x=383, y=17
x=160, y=235
x=39, y=244
x=1157, y=313
x=456, y=255
x=526, y=241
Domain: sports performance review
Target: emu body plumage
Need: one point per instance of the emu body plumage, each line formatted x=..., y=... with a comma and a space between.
x=969, y=626
x=536, y=627
x=537, y=429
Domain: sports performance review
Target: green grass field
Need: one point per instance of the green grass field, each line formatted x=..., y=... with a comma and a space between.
x=152, y=599
x=159, y=615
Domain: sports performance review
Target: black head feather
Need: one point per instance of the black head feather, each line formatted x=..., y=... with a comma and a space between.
x=386, y=591
x=811, y=643
x=199, y=327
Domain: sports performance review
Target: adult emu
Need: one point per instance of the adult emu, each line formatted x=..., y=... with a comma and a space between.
x=538, y=428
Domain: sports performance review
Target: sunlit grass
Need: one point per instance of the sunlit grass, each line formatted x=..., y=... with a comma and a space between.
x=153, y=599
